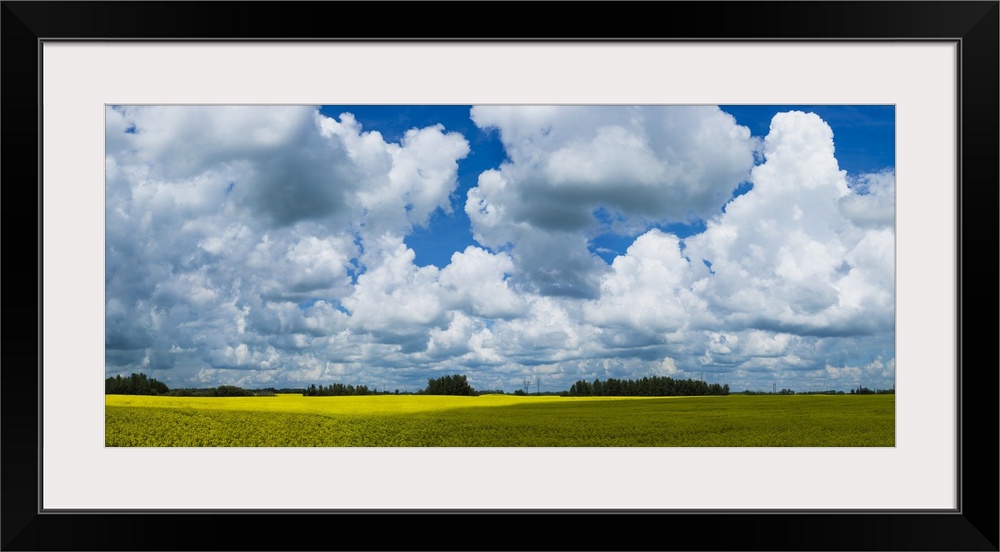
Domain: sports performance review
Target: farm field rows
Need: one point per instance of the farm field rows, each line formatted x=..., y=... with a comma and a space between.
x=501, y=421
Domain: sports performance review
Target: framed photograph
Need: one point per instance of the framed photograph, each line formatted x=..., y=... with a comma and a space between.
x=190, y=113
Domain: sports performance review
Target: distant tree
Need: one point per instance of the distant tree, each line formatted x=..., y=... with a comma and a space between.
x=646, y=387
x=135, y=384
x=231, y=391
x=581, y=388
x=158, y=387
x=449, y=385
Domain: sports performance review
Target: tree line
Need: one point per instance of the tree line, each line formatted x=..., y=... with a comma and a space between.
x=861, y=390
x=865, y=391
x=140, y=384
x=136, y=384
x=449, y=385
x=338, y=390
x=654, y=386
x=457, y=384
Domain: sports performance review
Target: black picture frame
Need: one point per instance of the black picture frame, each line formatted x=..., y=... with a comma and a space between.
x=973, y=525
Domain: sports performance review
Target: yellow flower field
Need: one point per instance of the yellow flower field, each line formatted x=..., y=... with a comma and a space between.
x=500, y=421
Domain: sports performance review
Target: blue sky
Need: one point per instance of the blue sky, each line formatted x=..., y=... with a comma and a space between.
x=382, y=245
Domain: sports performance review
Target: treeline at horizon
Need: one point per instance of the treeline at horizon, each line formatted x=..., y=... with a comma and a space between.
x=654, y=386
x=860, y=390
x=140, y=384
x=338, y=390
x=135, y=384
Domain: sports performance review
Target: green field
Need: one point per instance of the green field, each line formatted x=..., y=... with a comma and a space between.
x=501, y=421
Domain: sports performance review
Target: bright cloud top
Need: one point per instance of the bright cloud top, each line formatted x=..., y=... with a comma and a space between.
x=637, y=165
x=266, y=246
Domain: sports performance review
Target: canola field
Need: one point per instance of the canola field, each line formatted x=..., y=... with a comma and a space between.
x=500, y=421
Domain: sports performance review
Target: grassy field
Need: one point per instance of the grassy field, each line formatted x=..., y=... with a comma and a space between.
x=501, y=421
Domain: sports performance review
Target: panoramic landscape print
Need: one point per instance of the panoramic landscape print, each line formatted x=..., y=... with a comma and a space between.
x=500, y=276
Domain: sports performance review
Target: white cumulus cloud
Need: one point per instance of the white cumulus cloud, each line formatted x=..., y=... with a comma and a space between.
x=640, y=164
